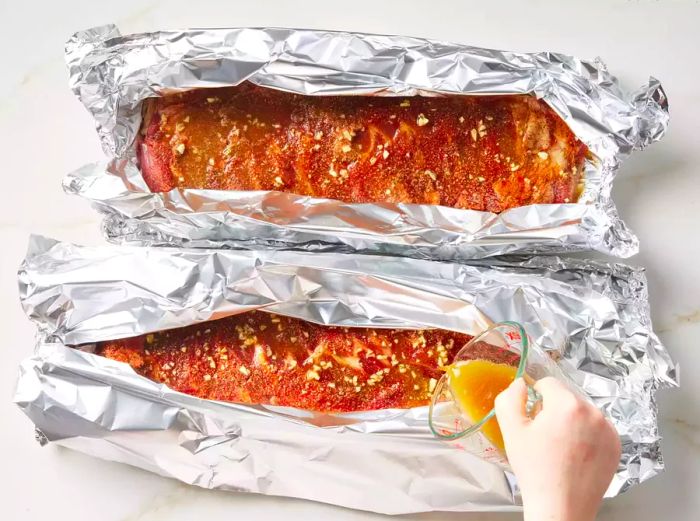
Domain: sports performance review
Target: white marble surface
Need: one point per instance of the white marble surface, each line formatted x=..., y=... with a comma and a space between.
x=45, y=132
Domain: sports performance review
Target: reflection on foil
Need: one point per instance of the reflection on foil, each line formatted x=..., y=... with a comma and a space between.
x=593, y=316
x=113, y=74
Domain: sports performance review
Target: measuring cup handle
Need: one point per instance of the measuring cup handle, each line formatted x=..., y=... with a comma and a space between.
x=534, y=399
x=534, y=402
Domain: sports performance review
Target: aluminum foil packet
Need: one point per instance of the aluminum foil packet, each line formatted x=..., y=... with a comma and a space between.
x=591, y=317
x=114, y=74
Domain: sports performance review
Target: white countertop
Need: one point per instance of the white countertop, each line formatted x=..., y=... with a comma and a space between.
x=45, y=132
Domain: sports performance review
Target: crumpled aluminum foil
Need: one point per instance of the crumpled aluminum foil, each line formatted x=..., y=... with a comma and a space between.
x=593, y=316
x=113, y=74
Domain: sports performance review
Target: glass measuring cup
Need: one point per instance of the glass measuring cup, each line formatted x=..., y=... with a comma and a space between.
x=461, y=410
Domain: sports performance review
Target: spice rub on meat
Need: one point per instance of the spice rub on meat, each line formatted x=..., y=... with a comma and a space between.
x=487, y=153
x=264, y=358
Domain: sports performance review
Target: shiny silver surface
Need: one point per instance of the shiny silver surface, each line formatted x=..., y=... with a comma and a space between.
x=592, y=317
x=113, y=74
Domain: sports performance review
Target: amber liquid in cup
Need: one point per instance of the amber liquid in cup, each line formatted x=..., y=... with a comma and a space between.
x=463, y=400
x=474, y=385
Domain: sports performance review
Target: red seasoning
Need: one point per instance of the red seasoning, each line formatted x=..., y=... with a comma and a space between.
x=270, y=359
x=476, y=152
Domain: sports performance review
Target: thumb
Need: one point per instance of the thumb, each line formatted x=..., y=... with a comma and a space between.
x=510, y=407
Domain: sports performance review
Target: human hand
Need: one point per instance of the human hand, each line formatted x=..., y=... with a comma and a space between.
x=564, y=458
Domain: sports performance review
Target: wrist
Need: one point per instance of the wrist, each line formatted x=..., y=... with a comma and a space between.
x=550, y=510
